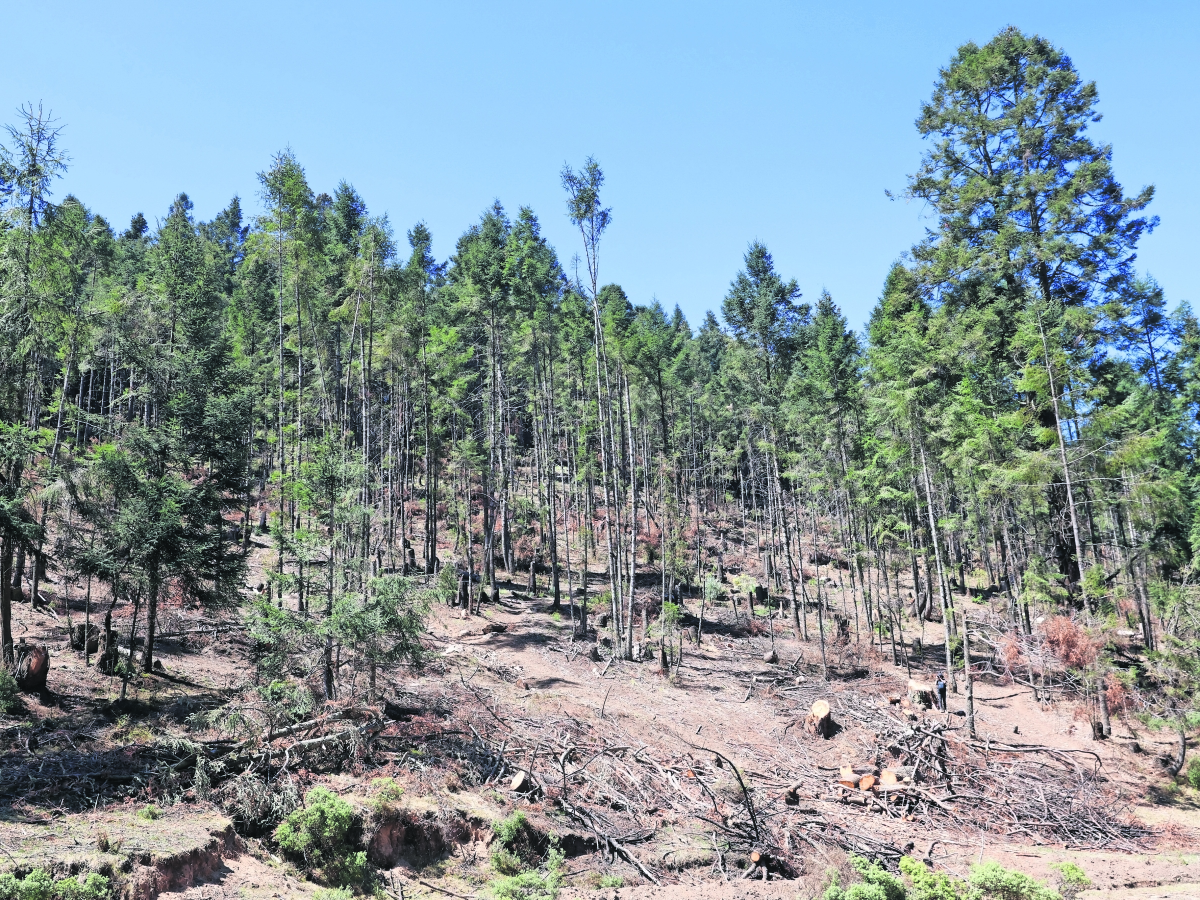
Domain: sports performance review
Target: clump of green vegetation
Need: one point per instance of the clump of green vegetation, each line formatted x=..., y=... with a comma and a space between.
x=1071, y=879
x=508, y=830
x=988, y=881
x=387, y=796
x=323, y=836
x=149, y=812
x=542, y=883
x=8, y=691
x=1193, y=772
x=877, y=884
x=610, y=881
x=333, y=894
x=994, y=881
x=515, y=862
x=38, y=885
x=514, y=839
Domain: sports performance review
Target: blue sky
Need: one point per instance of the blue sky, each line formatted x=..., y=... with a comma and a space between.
x=716, y=124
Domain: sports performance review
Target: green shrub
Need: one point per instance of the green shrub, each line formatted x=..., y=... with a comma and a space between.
x=38, y=885
x=926, y=884
x=877, y=884
x=149, y=812
x=322, y=835
x=505, y=862
x=8, y=691
x=994, y=882
x=532, y=884
x=611, y=881
x=1193, y=772
x=387, y=795
x=333, y=894
x=1071, y=879
x=94, y=887
x=510, y=829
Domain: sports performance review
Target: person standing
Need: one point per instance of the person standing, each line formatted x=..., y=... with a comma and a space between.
x=939, y=691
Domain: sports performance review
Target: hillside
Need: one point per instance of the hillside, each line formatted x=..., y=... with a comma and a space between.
x=634, y=773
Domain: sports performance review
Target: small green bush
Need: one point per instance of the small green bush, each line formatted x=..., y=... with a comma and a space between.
x=611, y=881
x=322, y=835
x=333, y=894
x=1193, y=772
x=94, y=887
x=38, y=885
x=387, y=796
x=8, y=691
x=1071, y=879
x=508, y=830
x=925, y=884
x=877, y=884
x=149, y=812
x=532, y=884
x=505, y=862
x=994, y=882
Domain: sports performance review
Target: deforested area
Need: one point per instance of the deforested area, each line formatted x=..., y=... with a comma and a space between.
x=329, y=568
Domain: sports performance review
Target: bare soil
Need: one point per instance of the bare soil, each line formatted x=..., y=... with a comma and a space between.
x=637, y=774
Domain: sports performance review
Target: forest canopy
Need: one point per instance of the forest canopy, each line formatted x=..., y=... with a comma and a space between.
x=1014, y=426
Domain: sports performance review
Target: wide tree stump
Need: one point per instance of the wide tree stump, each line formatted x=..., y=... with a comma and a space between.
x=819, y=720
x=32, y=663
x=85, y=636
x=920, y=693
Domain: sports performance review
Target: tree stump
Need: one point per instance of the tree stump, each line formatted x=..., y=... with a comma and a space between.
x=523, y=784
x=106, y=662
x=820, y=720
x=82, y=635
x=920, y=693
x=771, y=657
x=31, y=665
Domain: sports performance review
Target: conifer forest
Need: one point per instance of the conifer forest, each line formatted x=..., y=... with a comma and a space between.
x=295, y=430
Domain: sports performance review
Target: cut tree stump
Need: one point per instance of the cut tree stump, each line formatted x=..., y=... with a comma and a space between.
x=85, y=635
x=31, y=662
x=523, y=784
x=887, y=777
x=920, y=693
x=819, y=721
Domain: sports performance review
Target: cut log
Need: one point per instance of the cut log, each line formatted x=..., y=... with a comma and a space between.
x=866, y=782
x=887, y=777
x=847, y=774
x=494, y=628
x=819, y=721
x=756, y=857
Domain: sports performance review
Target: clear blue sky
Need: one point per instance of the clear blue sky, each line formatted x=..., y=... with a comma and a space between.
x=715, y=123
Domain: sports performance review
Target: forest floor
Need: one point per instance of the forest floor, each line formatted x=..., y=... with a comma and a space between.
x=637, y=775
